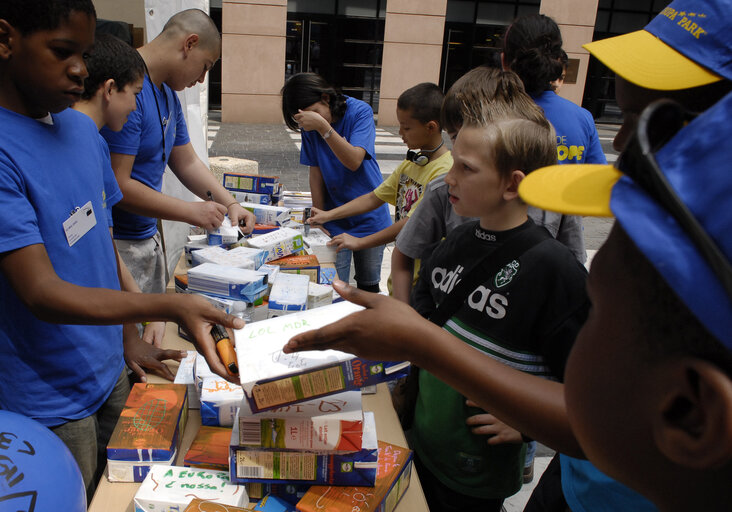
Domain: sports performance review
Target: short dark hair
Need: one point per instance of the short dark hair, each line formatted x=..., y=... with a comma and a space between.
x=115, y=59
x=28, y=16
x=194, y=21
x=423, y=102
x=532, y=47
x=305, y=89
x=665, y=328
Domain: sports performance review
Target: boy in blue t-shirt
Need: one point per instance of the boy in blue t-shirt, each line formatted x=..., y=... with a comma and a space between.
x=59, y=280
x=156, y=136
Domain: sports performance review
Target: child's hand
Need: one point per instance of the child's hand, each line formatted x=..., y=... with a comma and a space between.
x=242, y=217
x=153, y=334
x=388, y=330
x=318, y=216
x=141, y=356
x=488, y=425
x=206, y=214
x=346, y=241
x=308, y=121
x=198, y=316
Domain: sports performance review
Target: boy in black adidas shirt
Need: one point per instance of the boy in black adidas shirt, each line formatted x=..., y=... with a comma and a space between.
x=525, y=313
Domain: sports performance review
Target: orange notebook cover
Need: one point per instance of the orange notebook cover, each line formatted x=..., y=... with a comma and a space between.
x=210, y=449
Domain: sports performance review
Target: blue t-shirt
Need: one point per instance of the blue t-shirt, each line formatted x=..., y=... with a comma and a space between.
x=112, y=193
x=587, y=489
x=142, y=136
x=342, y=184
x=577, y=139
x=54, y=372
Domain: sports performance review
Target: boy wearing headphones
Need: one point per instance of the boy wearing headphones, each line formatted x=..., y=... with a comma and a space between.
x=418, y=112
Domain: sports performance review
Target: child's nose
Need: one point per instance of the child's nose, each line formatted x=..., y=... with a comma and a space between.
x=77, y=69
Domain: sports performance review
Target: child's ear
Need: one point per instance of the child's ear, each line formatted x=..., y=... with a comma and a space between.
x=433, y=126
x=6, y=36
x=325, y=98
x=510, y=191
x=108, y=87
x=189, y=43
x=692, y=425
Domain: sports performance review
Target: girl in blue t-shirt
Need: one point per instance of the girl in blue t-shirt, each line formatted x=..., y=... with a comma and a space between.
x=338, y=136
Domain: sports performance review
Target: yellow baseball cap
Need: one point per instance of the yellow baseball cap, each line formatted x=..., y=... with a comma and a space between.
x=689, y=44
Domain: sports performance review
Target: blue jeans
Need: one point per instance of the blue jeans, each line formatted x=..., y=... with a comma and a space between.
x=367, y=263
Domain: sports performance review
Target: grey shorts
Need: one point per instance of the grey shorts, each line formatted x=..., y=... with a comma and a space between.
x=145, y=261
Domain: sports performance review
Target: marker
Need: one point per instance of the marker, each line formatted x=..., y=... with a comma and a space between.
x=225, y=349
x=305, y=216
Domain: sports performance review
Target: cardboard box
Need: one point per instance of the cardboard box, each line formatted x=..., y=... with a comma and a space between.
x=392, y=481
x=225, y=234
x=236, y=182
x=251, y=197
x=268, y=215
x=317, y=243
x=213, y=506
x=220, y=400
x=272, y=379
x=210, y=449
x=278, y=244
x=184, y=376
x=289, y=294
x=228, y=282
x=148, y=431
x=237, y=308
x=172, y=488
x=319, y=295
x=328, y=273
x=353, y=468
x=329, y=424
x=305, y=264
x=239, y=257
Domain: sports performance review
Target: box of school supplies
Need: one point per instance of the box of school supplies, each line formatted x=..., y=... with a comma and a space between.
x=236, y=182
x=289, y=294
x=225, y=234
x=213, y=506
x=319, y=295
x=306, y=264
x=342, y=468
x=268, y=215
x=220, y=399
x=277, y=244
x=272, y=379
x=251, y=197
x=328, y=273
x=240, y=257
x=291, y=493
x=316, y=242
x=392, y=481
x=238, y=308
x=210, y=449
x=329, y=424
x=148, y=431
x=172, y=488
x=184, y=376
x=236, y=283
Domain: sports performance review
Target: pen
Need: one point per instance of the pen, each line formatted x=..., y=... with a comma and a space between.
x=225, y=348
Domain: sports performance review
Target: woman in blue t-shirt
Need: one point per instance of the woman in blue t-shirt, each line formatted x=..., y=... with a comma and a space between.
x=338, y=136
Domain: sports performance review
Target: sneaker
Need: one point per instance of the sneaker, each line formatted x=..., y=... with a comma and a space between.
x=529, y=473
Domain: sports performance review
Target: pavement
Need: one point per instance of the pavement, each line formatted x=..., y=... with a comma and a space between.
x=277, y=150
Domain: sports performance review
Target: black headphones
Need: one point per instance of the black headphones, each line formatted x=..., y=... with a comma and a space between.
x=422, y=158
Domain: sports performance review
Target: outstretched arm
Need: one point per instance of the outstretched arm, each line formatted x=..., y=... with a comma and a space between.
x=402, y=275
x=361, y=204
x=33, y=278
x=531, y=405
x=385, y=236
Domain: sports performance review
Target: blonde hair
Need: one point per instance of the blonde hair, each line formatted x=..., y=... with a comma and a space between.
x=518, y=144
x=484, y=95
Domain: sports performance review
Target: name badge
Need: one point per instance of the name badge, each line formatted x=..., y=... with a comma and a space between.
x=79, y=223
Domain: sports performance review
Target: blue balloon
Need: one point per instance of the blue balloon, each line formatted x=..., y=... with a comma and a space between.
x=37, y=471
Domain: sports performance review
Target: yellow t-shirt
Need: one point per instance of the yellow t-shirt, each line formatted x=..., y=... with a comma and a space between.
x=404, y=190
x=404, y=187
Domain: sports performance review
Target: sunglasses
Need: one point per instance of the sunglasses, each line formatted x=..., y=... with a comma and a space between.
x=657, y=125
